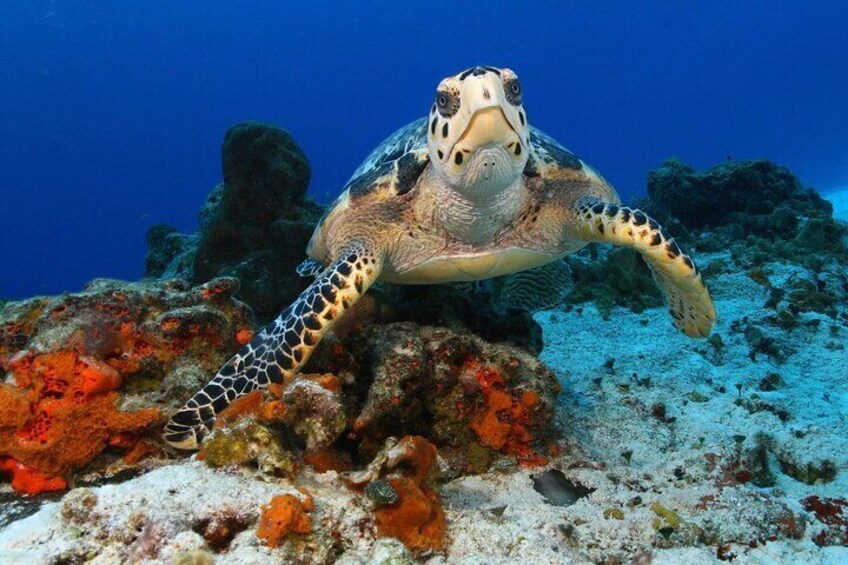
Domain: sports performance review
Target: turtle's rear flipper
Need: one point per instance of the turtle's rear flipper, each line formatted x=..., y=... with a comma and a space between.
x=282, y=348
x=688, y=299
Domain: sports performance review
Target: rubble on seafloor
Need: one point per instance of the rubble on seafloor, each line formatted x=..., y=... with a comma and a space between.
x=425, y=428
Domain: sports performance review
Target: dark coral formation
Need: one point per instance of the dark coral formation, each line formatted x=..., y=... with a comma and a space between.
x=462, y=307
x=735, y=192
x=757, y=211
x=94, y=370
x=254, y=226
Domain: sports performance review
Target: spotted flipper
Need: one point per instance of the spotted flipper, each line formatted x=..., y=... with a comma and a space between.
x=309, y=268
x=689, y=300
x=282, y=348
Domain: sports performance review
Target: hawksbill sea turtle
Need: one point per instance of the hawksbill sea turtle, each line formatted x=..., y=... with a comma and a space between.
x=468, y=193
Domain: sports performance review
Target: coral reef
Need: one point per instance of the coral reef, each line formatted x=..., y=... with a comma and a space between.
x=424, y=427
x=92, y=371
x=254, y=226
x=478, y=402
x=481, y=404
x=757, y=209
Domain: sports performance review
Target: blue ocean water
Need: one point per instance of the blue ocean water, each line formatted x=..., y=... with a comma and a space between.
x=112, y=113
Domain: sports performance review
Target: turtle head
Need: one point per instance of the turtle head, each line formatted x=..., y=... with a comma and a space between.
x=477, y=132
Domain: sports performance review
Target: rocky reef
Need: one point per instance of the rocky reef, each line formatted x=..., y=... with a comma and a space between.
x=91, y=376
x=756, y=211
x=253, y=227
x=482, y=404
x=93, y=373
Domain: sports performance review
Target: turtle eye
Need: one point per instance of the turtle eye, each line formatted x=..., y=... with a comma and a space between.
x=513, y=91
x=446, y=103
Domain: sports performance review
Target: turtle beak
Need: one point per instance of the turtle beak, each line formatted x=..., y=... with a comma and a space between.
x=488, y=127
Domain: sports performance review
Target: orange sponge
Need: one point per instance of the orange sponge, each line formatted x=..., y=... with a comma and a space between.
x=287, y=514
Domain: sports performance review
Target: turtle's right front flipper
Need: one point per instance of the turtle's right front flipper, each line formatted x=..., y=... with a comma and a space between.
x=282, y=348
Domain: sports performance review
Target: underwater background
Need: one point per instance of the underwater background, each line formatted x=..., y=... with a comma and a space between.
x=164, y=164
x=113, y=112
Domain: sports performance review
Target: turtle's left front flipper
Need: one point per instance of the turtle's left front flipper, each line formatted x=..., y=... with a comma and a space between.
x=689, y=300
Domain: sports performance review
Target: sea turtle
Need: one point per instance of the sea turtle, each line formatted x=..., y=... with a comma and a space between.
x=467, y=193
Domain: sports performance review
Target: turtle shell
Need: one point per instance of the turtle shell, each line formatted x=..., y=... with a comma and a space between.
x=394, y=166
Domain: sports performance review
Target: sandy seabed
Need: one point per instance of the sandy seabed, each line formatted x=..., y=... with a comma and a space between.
x=839, y=199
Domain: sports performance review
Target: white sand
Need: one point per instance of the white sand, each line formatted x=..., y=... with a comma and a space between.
x=839, y=199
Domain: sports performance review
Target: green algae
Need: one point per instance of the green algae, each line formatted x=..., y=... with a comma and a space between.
x=665, y=518
x=248, y=443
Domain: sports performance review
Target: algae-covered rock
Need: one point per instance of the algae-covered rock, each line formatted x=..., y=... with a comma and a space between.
x=809, y=472
x=612, y=277
x=316, y=414
x=452, y=387
x=248, y=442
x=254, y=226
x=96, y=369
x=759, y=195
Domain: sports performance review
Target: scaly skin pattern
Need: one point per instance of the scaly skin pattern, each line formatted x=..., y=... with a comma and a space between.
x=281, y=349
x=689, y=301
